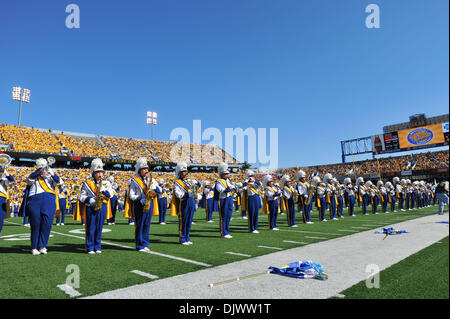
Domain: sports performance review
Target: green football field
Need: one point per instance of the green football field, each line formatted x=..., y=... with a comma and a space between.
x=23, y=275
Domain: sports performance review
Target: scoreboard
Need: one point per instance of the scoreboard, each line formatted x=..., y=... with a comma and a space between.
x=434, y=135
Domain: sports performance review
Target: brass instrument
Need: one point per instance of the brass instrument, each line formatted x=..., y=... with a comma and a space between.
x=5, y=160
x=51, y=160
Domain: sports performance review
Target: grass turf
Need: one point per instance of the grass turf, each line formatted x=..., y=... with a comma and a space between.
x=423, y=275
x=23, y=275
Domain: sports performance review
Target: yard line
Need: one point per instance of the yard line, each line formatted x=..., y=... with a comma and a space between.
x=375, y=225
x=349, y=230
x=69, y=290
x=237, y=254
x=316, y=237
x=295, y=242
x=144, y=274
x=128, y=247
x=356, y=227
x=276, y=248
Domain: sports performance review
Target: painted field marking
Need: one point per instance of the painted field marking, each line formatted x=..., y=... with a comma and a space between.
x=356, y=227
x=268, y=247
x=349, y=230
x=144, y=274
x=295, y=242
x=128, y=247
x=237, y=254
x=69, y=290
x=315, y=237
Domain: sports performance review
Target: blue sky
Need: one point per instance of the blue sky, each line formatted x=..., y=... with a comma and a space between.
x=309, y=68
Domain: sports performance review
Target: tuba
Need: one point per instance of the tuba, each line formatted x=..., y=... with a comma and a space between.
x=311, y=188
x=5, y=160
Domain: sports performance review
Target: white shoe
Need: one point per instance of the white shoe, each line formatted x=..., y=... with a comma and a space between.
x=57, y=224
x=334, y=218
x=210, y=221
x=324, y=220
x=163, y=223
x=91, y=252
x=245, y=217
x=35, y=252
x=275, y=228
x=98, y=251
x=131, y=223
x=309, y=223
x=342, y=216
x=62, y=224
x=43, y=251
x=227, y=236
x=255, y=232
x=189, y=243
x=145, y=249
x=185, y=243
x=294, y=226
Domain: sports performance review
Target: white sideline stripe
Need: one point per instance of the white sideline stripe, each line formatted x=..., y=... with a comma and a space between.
x=349, y=230
x=128, y=247
x=144, y=274
x=374, y=225
x=295, y=242
x=237, y=254
x=315, y=237
x=276, y=248
x=69, y=290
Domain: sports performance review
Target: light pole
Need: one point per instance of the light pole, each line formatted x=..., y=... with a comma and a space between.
x=152, y=119
x=21, y=95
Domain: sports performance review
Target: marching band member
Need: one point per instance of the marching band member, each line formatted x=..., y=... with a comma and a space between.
x=225, y=189
x=40, y=204
x=412, y=195
x=94, y=206
x=330, y=195
x=252, y=186
x=339, y=198
x=362, y=194
x=288, y=193
x=271, y=200
x=63, y=206
x=183, y=202
x=162, y=202
x=391, y=195
x=6, y=181
x=350, y=191
x=442, y=190
x=302, y=189
x=142, y=203
x=208, y=194
x=398, y=184
x=383, y=195
x=321, y=191
x=372, y=195
x=114, y=200
x=408, y=194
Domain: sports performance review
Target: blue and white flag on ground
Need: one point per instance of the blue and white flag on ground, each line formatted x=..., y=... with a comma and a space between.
x=391, y=231
x=301, y=269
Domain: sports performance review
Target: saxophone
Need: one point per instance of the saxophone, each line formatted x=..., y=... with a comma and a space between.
x=99, y=197
x=149, y=195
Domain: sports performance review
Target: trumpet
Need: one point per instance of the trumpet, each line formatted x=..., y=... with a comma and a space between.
x=5, y=160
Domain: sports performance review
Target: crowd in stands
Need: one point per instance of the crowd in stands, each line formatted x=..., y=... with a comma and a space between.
x=426, y=160
x=24, y=139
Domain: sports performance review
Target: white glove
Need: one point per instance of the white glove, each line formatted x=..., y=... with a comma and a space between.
x=51, y=171
x=92, y=202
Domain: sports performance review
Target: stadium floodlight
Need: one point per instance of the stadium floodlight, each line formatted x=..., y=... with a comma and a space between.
x=21, y=95
x=152, y=119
